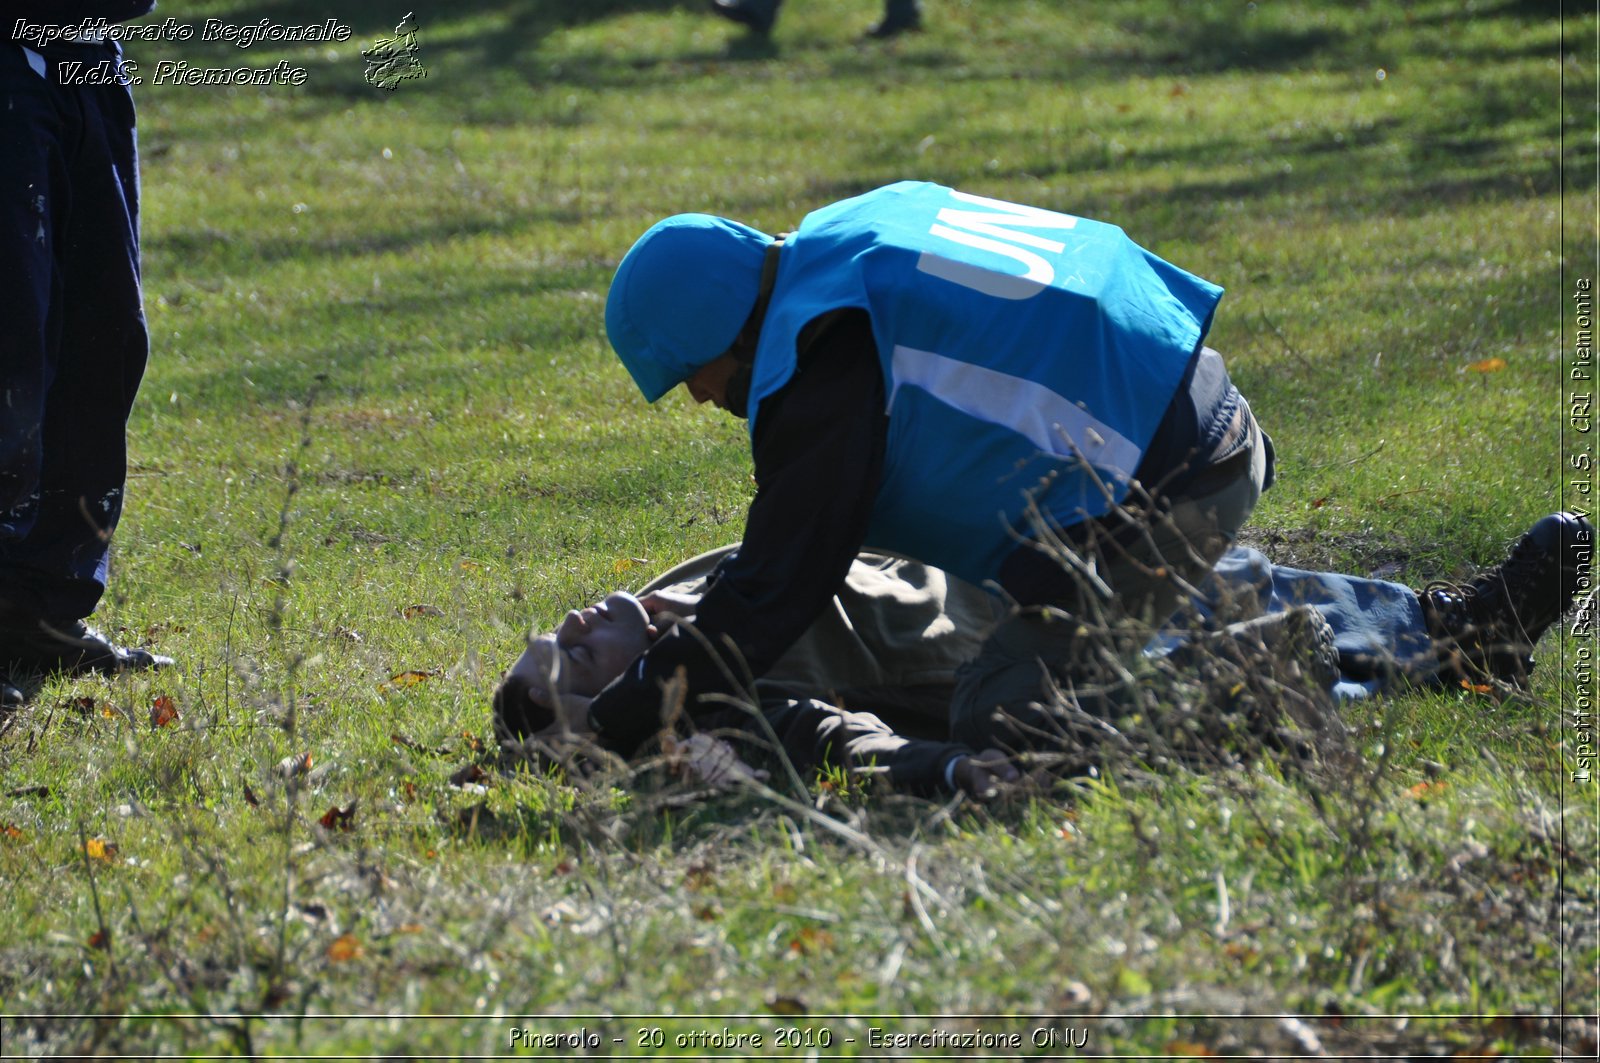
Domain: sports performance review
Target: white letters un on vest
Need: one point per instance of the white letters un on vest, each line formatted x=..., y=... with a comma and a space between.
x=1051, y=422
x=1001, y=228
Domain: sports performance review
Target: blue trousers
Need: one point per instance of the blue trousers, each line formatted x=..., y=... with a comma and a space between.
x=73, y=343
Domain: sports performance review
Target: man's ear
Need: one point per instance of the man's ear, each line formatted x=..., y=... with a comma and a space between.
x=516, y=709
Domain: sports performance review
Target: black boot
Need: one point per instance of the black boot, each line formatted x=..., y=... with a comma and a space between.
x=899, y=16
x=1488, y=626
x=72, y=648
x=759, y=15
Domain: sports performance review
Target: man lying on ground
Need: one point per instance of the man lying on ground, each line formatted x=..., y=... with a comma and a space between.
x=868, y=684
x=896, y=632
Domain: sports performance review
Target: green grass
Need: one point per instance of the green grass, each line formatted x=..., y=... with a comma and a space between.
x=380, y=379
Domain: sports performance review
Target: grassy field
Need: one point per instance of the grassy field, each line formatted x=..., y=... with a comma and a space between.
x=382, y=436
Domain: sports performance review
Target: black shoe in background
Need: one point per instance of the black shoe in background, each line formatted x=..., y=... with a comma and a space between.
x=899, y=16
x=759, y=15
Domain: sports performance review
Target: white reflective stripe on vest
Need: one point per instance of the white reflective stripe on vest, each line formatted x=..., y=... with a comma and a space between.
x=1050, y=422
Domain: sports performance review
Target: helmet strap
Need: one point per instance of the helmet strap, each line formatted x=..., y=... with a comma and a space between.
x=744, y=346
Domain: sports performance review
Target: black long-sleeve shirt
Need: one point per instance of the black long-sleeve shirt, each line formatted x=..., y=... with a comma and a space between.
x=818, y=452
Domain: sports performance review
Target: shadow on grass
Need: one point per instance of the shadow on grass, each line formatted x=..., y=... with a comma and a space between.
x=513, y=42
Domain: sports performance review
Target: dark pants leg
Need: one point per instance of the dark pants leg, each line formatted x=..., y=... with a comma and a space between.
x=73, y=343
x=814, y=735
x=1006, y=697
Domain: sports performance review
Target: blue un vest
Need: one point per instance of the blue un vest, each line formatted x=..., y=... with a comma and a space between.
x=1025, y=353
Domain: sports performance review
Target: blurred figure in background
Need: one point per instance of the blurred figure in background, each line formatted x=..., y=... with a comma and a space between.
x=899, y=16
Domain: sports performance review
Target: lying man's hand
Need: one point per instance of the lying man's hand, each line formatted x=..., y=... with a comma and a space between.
x=711, y=760
x=984, y=775
x=669, y=601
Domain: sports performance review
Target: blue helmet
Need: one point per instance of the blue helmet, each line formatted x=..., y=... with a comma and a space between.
x=681, y=295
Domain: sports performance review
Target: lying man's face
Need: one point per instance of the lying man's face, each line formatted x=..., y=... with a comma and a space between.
x=590, y=649
x=594, y=645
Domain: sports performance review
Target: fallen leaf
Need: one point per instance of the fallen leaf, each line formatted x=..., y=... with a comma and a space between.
x=250, y=797
x=473, y=743
x=409, y=928
x=1477, y=688
x=401, y=740
x=624, y=564
x=1488, y=365
x=344, y=948
x=163, y=711
x=412, y=612
x=1318, y=503
x=417, y=747
x=12, y=831
x=1180, y=89
x=470, y=774
x=1189, y=1049
x=471, y=566
x=84, y=705
x=337, y=818
x=100, y=849
x=1424, y=789
x=401, y=680
x=810, y=940
x=295, y=765
x=100, y=939
x=409, y=788
x=787, y=1006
